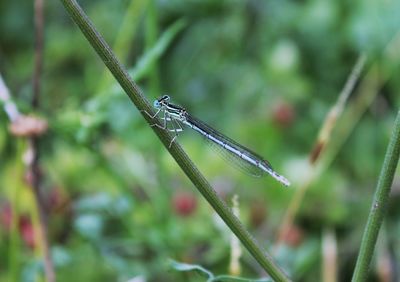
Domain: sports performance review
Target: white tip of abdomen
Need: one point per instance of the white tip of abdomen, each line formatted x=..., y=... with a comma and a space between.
x=275, y=175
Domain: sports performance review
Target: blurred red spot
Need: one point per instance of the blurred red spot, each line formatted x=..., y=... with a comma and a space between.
x=184, y=204
x=257, y=213
x=27, y=233
x=293, y=236
x=283, y=114
x=24, y=224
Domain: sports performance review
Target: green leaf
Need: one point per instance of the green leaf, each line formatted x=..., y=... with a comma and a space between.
x=191, y=267
x=227, y=278
x=211, y=278
x=143, y=65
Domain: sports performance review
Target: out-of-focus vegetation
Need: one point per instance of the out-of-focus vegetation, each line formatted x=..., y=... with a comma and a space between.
x=266, y=73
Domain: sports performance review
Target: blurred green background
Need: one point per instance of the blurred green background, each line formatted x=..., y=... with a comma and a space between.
x=265, y=73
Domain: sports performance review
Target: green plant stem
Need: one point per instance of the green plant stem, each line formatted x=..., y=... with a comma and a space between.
x=135, y=94
x=14, y=246
x=379, y=204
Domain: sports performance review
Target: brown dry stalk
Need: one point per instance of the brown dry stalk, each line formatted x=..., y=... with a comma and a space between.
x=320, y=145
x=336, y=110
x=33, y=167
x=327, y=148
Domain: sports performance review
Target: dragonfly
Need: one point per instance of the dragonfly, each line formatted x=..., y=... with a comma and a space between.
x=174, y=116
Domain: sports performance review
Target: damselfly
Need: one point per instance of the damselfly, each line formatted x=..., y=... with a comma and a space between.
x=243, y=157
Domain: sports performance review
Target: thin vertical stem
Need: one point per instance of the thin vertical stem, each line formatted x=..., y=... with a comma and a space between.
x=33, y=144
x=379, y=204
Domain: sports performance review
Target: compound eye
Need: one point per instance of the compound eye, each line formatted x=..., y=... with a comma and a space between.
x=165, y=98
x=156, y=104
